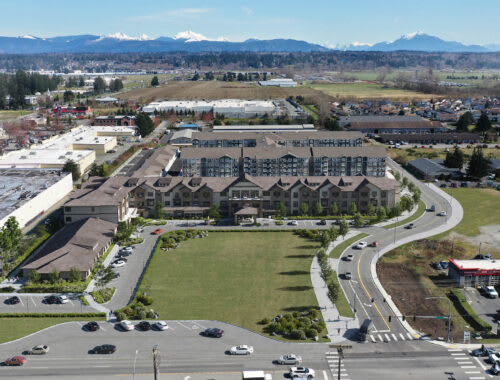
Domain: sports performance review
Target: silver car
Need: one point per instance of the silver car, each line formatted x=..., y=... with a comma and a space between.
x=39, y=350
x=289, y=359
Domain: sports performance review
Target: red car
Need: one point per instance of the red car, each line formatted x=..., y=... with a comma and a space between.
x=374, y=244
x=16, y=360
x=157, y=231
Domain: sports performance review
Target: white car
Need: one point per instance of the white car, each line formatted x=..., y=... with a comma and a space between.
x=126, y=325
x=301, y=372
x=62, y=299
x=39, y=350
x=494, y=358
x=127, y=249
x=118, y=264
x=293, y=223
x=361, y=245
x=160, y=325
x=349, y=257
x=242, y=349
x=442, y=213
x=490, y=291
x=289, y=359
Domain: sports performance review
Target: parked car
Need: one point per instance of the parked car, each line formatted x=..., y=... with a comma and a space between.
x=50, y=300
x=118, y=264
x=213, y=332
x=124, y=253
x=442, y=213
x=41, y=349
x=410, y=226
x=242, y=349
x=443, y=185
x=103, y=349
x=487, y=256
x=160, y=325
x=157, y=231
x=322, y=222
x=483, y=351
x=289, y=359
x=361, y=245
x=120, y=259
x=301, y=372
x=62, y=299
x=15, y=360
x=444, y=264
x=493, y=358
x=495, y=369
x=479, y=257
x=14, y=300
x=437, y=266
x=91, y=326
x=348, y=257
x=293, y=223
x=374, y=244
x=126, y=325
x=112, y=151
x=144, y=326
x=348, y=275
x=489, y=291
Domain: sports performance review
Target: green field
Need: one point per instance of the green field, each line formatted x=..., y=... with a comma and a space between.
x=4, y=115
x=15, y=328
x=342, y=304
x=408, y=154
x=367, y=90
x=481, y=208
x=236, y=277
x=311, y=110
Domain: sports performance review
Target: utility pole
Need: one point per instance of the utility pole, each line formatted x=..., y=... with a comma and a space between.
x=156, y=362
x=340, y=351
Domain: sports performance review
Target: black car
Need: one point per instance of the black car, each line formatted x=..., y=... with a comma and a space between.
x=213, y=333
x=322, y=222
x=91, y=326
x=116, y=275
x=51, y=300
x=144, y=326
x=104, y=349
x=12, y=300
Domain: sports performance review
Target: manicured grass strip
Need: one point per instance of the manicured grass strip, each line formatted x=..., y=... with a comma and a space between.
x=15, y=328
x=420, y=211
x=311, y=110
x=480, y=206
x=337, y=251
x=465, y=309
x=236, y=277
x=342, y=304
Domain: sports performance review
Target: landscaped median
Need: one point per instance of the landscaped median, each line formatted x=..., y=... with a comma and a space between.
x=337, y=251
x=417, y=214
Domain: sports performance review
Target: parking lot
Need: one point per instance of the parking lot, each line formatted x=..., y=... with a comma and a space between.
x=487, y=308
x=33, y=303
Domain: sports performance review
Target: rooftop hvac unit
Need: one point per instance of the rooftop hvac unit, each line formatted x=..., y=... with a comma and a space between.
x=23, y=157
x=32, y=153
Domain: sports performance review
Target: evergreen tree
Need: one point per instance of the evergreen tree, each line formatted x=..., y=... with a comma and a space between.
x=343, y=228
x=213, y=212
x=99, y=85
x=478, y=164
x=454, y=159
x=318, y=209
x=483, y=124
x=155, y=82
x=334, y=209
x=352, y=208
x=144, y=124
x=464, y=121
x=281, y=210
x=304, y=208
x=71, y=167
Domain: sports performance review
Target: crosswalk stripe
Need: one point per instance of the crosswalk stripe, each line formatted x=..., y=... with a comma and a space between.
x=468, y=366
x=455, y=350
x=458, y=354
x=402, y=336
x=387, y=337
x=380, y=338
x=477, y=378
x=409, y=336
x=471, y=372
x=464, y=362
x=373, y=339
x=459, y=357
x=394, y=337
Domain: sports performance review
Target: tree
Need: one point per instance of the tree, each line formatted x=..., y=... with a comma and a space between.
x=159, y=212
x=334, y=233
x=478, y=164
x=381, y=214
x=454, y=159
x=401, y=112
x=464, y=121
x=333, y=292
x=352, y=208
x=406, y=203
x=343, y=228
x=155, y=82
x=281, y=210
x=213, y=212
x=68, y=96
x=318, y=209
x=53, y=277
x=404, y=183
x=144, y=124
x=74, y=275
x=416, y=196
x=326, y=274
x=195, y=77
x=397, y=176
x=325, y=239
x=71, y=167
x=116, y=85
x=483, y=123
x=34, y=277
x=10, y=235
x=99, y=85
x=358, y=220
x=103, y=275
x=304, y=208
x=101, y=170
x=370, y=209
x=334, y=209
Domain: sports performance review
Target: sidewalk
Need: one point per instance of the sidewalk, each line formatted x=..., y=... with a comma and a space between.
x=111, y=255
x=338, y=328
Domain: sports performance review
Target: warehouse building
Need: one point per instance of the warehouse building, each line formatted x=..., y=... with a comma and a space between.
x=278, y=82
x=27, y=193
x=430, y=138
x=264, y=128
x=392, y=124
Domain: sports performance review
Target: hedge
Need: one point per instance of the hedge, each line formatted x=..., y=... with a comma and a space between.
x=51, y=315
x=467, y=312
x=326, y=217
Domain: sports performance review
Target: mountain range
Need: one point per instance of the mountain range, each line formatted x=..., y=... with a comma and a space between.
x=195, y=42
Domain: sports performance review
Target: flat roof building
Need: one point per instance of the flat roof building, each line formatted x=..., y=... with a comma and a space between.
x=391, y=124
x=428, y=169
x=264, y=128
x=474, y=273
x=27, y=193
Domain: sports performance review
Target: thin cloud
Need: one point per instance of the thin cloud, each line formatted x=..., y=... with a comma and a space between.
x=247, y=10
x=181, y=13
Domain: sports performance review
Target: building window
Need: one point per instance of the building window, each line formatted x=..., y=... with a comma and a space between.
x=206, y=194
x=185, y=194
x=92, y=209
x=67, y=209
x=167, y=203
x=266, y=193
x=150, y=194
x=374, y=193
x=68, y=219
x=384, y=194
x=276, y=193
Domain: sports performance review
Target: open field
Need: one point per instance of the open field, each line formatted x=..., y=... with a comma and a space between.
x=4, y=115
x=14, y=328
x=406, y=273
x=236, y=277
x=311, y=110
x=409, y=154
x=367, y=90
x=215, y=90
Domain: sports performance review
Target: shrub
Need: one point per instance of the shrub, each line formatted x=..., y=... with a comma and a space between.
x=274, y=327
x=7, y=289
x=145, y=300
x=314, y=313
x=311, y=333
x=120, y=315
x=264, y=321
x=297, y=334
x=142, y=314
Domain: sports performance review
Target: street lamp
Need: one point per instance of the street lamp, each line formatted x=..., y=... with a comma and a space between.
x=135, y=358
x=449, y=314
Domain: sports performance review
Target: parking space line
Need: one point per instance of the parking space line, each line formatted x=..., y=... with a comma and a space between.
x=325, y=376
x=380, y=338
x=409, y=336
x=468, y=366
x=373, y=339
x=199, y=324
x=183, y=325
x=31, y=298
x=481, y=364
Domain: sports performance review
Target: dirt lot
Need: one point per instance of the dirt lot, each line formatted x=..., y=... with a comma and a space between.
x=216, y=90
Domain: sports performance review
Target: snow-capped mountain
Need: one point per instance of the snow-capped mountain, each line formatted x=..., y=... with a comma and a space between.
x=190, y=36
x=124, y=37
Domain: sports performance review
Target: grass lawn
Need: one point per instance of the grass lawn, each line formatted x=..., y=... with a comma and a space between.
x=481, y=208
x=367, y=90
x=236, y=277
x=337, y=251
x=14, y=328
x=311, y=110
x=342, y=304
x=420, y=211
x=404, y=155
x=4, y=115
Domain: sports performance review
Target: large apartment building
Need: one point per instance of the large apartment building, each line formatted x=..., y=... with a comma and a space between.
x=276, y=161
x=211, y=162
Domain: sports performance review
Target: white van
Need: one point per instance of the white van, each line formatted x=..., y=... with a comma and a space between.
x=256, y=375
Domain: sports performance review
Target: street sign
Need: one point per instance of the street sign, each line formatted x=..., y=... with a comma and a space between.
x=440, y=317
x=466, y=337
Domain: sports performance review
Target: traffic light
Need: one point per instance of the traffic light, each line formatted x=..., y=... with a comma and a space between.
x=390, y=318
x=403, y=318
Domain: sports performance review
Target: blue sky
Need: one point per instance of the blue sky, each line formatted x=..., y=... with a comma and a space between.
x=320, y=21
